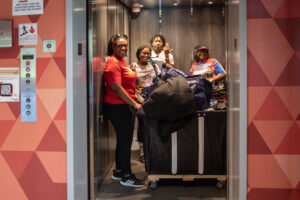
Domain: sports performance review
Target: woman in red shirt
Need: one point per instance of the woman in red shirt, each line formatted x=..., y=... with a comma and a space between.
x=119, y=103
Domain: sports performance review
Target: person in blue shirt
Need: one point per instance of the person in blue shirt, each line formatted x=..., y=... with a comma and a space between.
x=208, y=68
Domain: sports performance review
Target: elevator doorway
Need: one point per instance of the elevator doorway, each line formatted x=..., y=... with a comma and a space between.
x=185, y=24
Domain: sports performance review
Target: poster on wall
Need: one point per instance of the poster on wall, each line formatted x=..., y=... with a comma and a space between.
x=28, y=34
x=9, y=84
x=27, y=7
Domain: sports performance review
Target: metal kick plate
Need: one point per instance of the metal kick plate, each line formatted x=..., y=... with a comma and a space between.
x=6, y=33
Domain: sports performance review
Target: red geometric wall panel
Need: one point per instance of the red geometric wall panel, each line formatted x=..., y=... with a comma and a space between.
x=33, y=161
x=273, y=28
x=289, y=77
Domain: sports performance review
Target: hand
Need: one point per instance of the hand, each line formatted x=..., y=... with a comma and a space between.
x=140, y=100
x=132, y=67
x=137, y=106
x=167, y=49
x=168, y=65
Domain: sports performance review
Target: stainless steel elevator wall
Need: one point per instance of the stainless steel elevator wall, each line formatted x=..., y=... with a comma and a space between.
x=183, y=27
x=106, y=18
x=182, y=31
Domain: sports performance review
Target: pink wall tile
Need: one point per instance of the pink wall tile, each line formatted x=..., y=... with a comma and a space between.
x=41, y=175
x=274, y=45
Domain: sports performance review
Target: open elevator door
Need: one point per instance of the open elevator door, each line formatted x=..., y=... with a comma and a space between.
x=185, y=24
x=105, y=18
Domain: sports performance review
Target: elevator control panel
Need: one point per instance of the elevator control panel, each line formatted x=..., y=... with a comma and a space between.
x=28, y=84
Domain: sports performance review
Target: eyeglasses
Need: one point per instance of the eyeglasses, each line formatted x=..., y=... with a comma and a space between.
x=122, y=45
x=120, y=35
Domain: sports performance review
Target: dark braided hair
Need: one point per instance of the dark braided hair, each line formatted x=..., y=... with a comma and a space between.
x=113, y=41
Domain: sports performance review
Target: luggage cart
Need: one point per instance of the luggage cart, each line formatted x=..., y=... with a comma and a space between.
x=153, y=178
x=196, y=151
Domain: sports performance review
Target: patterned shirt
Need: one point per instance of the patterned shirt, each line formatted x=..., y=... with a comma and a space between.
x=209, y=68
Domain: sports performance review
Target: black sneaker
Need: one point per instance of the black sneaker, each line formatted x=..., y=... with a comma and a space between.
x=131, y=181
x=117, y=175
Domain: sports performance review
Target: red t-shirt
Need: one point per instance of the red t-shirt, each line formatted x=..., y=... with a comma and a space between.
x=117, y=71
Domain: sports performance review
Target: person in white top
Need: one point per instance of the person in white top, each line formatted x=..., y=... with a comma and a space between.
x=144, y=70
x=146, y=74
x=161, y=51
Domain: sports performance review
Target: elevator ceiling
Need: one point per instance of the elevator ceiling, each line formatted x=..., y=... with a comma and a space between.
x=170, y=3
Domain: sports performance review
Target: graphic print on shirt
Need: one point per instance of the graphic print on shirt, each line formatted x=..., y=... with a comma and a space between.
x=203, y=69
x=146, y=77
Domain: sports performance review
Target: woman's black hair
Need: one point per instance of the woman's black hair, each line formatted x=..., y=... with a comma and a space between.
x=140, y=49
x=113, y=41
x=161, y=37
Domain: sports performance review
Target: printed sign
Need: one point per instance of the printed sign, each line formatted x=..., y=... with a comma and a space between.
x=27, y=7
x=9, y=84
x=49, y=45
x=28, y=34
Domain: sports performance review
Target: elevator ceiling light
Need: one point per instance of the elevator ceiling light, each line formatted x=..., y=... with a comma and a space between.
x=136, y=8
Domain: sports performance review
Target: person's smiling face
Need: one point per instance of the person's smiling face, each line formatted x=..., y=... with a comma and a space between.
x=121, y=48
x=144, y=56
x=202, y=54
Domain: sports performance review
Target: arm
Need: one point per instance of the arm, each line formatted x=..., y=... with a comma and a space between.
x=121, y=92
x=217, y=77
x=191, y=73
x=168, y=61
x=139, y=99
x=220, y=72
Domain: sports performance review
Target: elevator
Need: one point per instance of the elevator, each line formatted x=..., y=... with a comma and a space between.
x=185, y=24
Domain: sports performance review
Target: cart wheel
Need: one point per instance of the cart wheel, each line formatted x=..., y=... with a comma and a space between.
x=153, y=184
x=220, y=184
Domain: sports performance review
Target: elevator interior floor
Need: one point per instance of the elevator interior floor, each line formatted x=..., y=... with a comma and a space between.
x=167, y=189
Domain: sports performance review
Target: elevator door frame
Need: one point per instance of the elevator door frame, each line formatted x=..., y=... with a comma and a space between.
x=77, y=143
